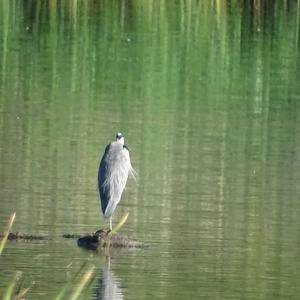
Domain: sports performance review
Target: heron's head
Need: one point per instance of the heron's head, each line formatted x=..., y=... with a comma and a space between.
x=120, y=138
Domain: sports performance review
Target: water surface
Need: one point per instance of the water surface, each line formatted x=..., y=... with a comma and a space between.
x=208, y=98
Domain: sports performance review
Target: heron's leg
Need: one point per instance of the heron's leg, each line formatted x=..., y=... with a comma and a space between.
x=110, y=223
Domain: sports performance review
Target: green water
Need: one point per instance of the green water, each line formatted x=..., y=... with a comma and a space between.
x=207, y=95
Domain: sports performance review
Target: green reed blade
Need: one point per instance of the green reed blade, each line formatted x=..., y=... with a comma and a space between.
x=8, y=294
x=84, y=281
x=22, y=293
x=9, y=291
x=119, y=225
x=69, y=283
x=6, y=232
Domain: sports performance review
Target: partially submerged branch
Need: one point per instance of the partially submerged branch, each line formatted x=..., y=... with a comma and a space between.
x=103, y=239
x=99, y=240
x=109, y=239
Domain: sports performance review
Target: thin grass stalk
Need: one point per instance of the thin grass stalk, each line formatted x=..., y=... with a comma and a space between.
x=22, y=293
x=8, y=294
x=9, y=291
x=68, y=284
x=6, y=232
x=63, y=291
x=119, y=225
x=84, y=281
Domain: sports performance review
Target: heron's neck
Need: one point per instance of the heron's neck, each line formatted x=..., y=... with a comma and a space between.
x=121, y=140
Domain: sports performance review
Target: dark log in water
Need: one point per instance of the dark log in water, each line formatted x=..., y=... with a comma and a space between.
x=102, y=239
x=17, y=236
x=99, y=240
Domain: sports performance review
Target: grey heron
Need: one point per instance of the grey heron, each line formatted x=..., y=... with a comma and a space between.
x=115, y=166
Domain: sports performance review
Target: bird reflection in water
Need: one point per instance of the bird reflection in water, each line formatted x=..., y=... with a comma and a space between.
x=108, y=286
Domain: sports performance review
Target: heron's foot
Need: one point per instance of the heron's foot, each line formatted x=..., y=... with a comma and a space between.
x=99, y=232
x=102, y=232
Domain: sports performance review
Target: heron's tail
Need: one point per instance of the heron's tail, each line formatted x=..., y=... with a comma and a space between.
x=110, y=208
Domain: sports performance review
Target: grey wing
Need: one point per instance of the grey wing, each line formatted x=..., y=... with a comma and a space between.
x=102, y=175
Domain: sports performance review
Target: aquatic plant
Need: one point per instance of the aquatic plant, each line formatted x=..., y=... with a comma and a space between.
x=16, y=291
x=11, y=291
x=119, y=225
x=6, y=232
x=84, y=282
